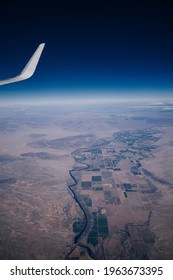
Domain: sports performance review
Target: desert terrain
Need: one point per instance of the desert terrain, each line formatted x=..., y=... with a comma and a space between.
x=86, y=182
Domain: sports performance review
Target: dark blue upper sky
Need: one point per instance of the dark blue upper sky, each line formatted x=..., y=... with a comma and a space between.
x=91, y=46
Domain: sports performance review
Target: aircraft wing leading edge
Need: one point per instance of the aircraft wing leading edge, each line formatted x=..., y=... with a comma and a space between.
x=29, y=69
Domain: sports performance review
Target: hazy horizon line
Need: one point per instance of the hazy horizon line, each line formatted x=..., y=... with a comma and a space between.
x=53, y=100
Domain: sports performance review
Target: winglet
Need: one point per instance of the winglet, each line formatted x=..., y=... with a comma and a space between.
x=29, y=69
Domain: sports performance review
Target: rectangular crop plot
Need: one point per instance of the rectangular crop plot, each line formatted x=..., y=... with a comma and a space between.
x=96, y=178
x=87, y=200
x=86, y=185
x=103, y=226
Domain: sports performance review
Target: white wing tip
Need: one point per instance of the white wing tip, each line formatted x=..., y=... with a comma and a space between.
x=29, y=69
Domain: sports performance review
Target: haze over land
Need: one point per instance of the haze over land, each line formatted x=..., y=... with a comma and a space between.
x=120, y=155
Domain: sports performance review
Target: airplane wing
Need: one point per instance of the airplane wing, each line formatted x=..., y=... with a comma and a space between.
x=29, y=69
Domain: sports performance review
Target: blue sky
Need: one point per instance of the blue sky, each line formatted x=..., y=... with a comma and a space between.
x=108, y=48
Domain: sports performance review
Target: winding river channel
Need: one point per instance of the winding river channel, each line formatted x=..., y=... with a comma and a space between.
x=87, y=216
x=71, y=188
